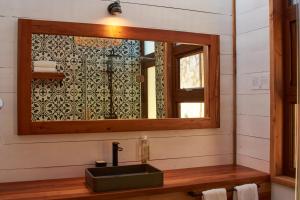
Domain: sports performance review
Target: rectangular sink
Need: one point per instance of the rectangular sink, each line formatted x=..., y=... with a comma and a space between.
x=123, y=177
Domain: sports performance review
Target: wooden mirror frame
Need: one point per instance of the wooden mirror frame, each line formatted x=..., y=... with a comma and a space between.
x=27, y=127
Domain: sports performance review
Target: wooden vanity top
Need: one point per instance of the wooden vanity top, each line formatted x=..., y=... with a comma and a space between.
x=181, y=180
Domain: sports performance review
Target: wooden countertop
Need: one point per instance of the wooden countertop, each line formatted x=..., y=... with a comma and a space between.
x=181, y=180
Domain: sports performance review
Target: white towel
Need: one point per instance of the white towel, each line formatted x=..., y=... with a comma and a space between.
x=42, y=69
x=44, y=63
x=246, y=192
x=215, y=194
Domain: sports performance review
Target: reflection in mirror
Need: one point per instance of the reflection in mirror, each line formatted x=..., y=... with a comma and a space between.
x=293, y=2
x=116, y=79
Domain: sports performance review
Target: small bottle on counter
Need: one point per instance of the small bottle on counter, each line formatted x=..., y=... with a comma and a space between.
x=145, y=149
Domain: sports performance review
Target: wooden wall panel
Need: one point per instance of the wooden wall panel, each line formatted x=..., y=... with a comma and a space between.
x=253, y=64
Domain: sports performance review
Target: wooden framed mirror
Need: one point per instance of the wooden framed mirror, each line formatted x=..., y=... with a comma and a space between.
x=88, y=78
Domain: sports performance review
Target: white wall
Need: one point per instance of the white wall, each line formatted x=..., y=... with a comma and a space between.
x=56, y=156
x=253, y=104
x=280, y=192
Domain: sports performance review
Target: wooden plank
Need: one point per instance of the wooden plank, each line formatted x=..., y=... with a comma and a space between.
x=71, y=127
x=276, y=86
x=182, y=180
x=284, y=180
x=48, y=75
x=24, y=75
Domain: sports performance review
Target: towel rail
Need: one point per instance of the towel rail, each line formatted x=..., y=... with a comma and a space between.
x=199, y=194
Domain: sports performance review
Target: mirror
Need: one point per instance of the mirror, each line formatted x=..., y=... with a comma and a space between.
x=111, y=78
x=91, y=78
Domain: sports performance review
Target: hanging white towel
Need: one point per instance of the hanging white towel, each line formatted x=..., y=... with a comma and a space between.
x=246, y=192
x=42, y=69
x=44, y=63
x=215, y=194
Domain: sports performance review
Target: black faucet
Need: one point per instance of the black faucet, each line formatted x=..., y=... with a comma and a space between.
x=115, y=152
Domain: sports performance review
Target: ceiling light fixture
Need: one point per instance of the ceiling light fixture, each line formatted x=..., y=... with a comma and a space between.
x=115, y=8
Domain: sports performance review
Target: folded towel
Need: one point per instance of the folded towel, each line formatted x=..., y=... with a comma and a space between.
x=42, y=69
x=215, y=194
x=44, y=63
x=246, y=192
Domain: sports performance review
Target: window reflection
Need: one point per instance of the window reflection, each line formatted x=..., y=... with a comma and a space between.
x=293, y=2
x=192, y=72
x=191, y=110
x=149, y=47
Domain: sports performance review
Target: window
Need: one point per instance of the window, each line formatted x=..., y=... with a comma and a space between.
x=149, y=47
x=290, y=90
x=190, y=62
x=283, y=90
x=191, y=110
x=151, y=92
x=148, y=74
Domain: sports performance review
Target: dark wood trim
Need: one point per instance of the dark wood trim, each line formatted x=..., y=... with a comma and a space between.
x=185, y=50
x=24, y=76
x=281, y=90
x=27, y=127
x=183, y=96
x=290, y=86
x=121, y=32
x=284, y=180
x=48, y=75
x=276, y=86
x=180, y=180
x=213, y=88
x=168, y=82
x=63, y=127
x=144, y=92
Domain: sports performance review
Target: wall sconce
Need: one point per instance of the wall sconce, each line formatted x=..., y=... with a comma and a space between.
x=115, y=8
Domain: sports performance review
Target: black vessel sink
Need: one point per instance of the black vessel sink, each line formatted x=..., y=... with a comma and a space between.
x=123, y=177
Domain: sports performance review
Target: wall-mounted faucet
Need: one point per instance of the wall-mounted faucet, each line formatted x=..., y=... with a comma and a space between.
x=115, y=153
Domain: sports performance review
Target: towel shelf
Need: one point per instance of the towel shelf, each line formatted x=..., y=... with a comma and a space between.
x=48, y=75
x=199, y=194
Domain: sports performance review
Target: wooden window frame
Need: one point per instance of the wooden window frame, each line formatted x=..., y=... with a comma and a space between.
x=181, y=95
x=26, y=126
x=290, y=92
x=278, y=53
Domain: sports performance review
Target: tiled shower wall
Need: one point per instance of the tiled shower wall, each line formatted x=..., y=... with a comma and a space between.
x=84, y=93
x=57, y=156
x=160, y=80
